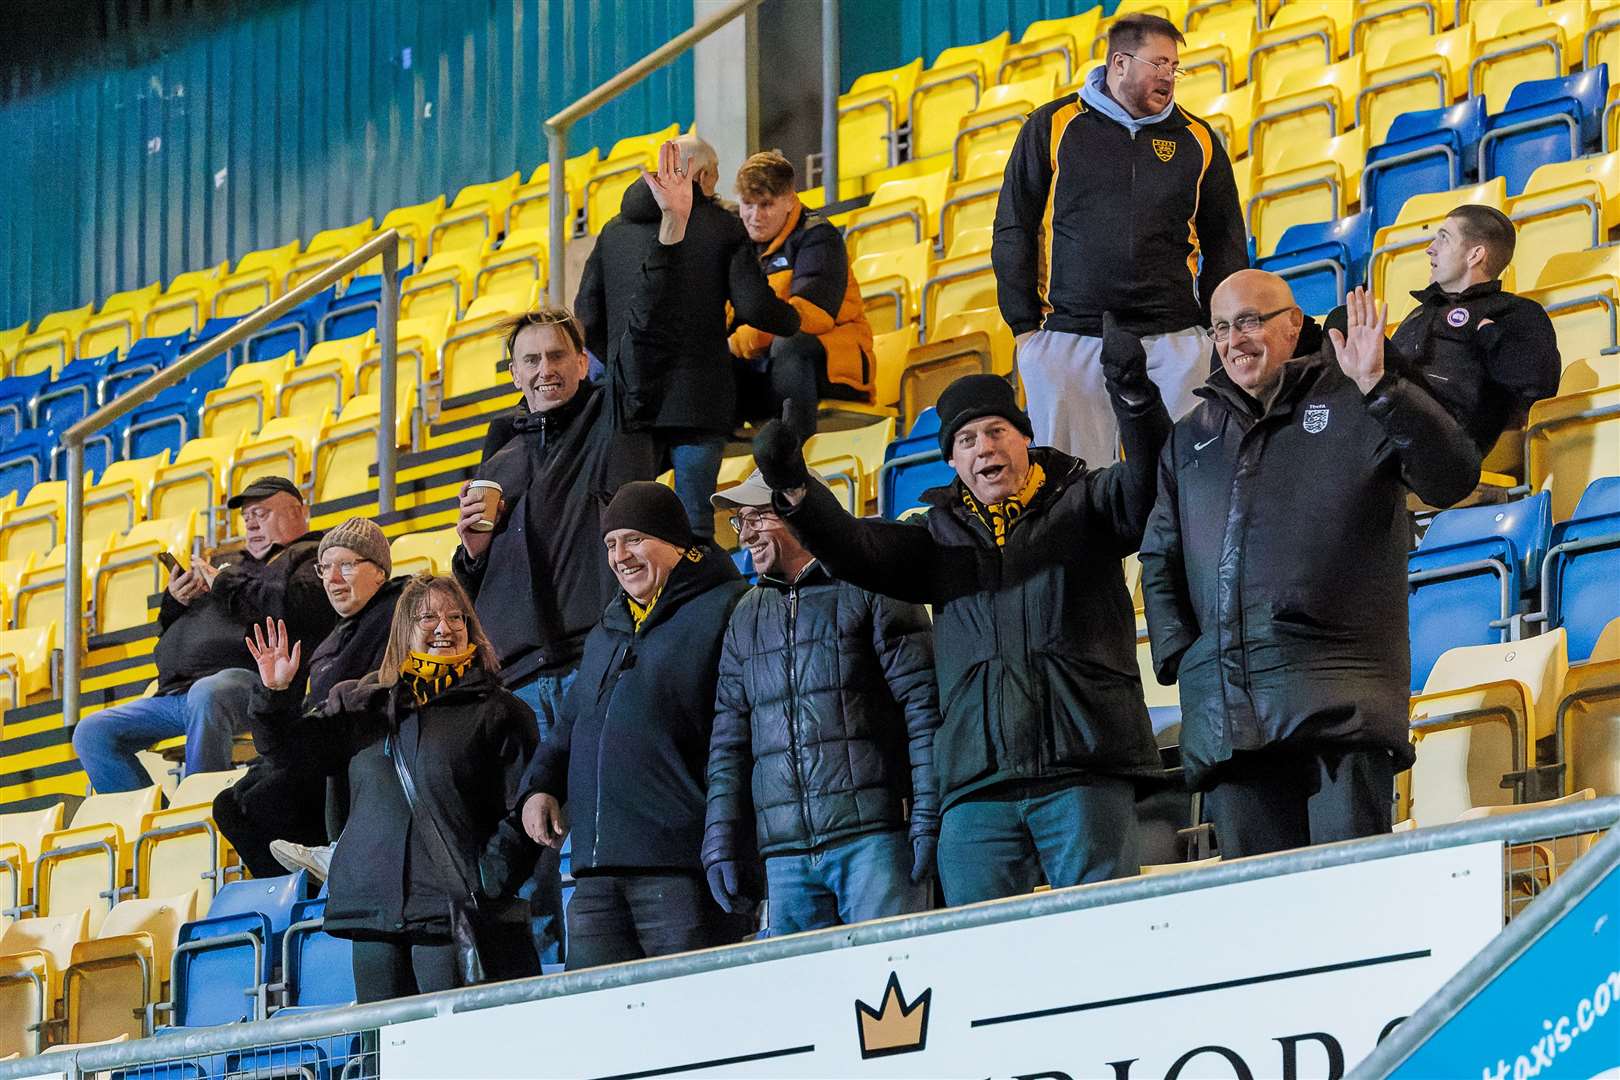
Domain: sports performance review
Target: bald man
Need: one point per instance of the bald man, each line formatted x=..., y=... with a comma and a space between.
x=688, y=399
x=1274, y=569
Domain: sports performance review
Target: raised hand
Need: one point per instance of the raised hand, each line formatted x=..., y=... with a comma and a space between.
x=543, y=819
x=1360, y=348
x=672, y=190
x=1124, y=361
x=278, y=664
x=779, y=453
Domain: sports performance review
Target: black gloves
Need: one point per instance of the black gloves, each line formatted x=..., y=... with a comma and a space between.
x=1124, y=363
x=780, y=455
x=924, y=854
x=506, y=861
x=726, y=886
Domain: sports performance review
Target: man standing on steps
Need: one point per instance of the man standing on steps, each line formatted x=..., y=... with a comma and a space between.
x=1115, y=199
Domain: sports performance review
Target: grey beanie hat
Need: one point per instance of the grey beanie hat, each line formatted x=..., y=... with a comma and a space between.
x=363, y=537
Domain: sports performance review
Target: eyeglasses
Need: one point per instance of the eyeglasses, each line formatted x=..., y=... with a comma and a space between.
x=347, y=569
x=1163, y=67
x=429, y=620
x=754, y=521
x=1246, y=323
x=257, y=513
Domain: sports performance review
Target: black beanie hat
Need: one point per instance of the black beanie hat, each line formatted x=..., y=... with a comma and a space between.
x=973, y=397
x=650, y=508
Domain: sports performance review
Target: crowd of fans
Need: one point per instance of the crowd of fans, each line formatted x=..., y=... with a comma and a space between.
x=597, y=667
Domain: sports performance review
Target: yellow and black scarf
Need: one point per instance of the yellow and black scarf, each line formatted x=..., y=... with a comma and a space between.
x=638, y=613
x=998, y=517
x=426, y=675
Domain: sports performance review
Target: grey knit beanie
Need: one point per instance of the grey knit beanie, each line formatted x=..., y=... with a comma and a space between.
x=363, y=537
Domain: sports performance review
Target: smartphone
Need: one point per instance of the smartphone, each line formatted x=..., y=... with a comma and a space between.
x=172, y=563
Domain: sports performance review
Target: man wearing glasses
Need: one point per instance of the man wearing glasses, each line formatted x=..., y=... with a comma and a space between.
x=1274, y=569
x=1115, y=200
x=823, y=738
x=205, y=674
x=274, y=814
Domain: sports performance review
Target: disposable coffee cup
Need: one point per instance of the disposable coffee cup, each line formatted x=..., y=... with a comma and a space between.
x=491, y=491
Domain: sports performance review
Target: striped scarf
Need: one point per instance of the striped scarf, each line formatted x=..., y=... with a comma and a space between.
x=427, y=676
x=999, y=516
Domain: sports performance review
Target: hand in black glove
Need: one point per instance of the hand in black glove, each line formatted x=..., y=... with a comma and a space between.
x=1124, y=363
x=724, y=885
x=923, y=852
x=780, y=455
x=507, y=859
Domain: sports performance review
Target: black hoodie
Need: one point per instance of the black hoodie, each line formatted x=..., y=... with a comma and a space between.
x=696, y=388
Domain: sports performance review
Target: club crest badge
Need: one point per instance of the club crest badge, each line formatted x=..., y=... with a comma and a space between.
x=1165, y=148
x=1316, y=418
x=1457, y=316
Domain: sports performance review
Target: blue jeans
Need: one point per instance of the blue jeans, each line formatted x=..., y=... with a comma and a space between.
x=696, y=462
x=543, y=890
x=990, y=848
x=868, y=877
x=209, y=715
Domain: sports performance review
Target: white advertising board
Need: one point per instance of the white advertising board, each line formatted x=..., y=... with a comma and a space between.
x=1297, y=975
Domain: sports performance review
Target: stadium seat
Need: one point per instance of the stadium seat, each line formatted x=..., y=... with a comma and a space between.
x=1589, y=718
x=899, y=274
x=911, y=465
x=87, y=865
x=413, y=223
x=179, y=849
x=355, y=312
x=185, y=305
x=955, y=285
x=1313, y=104
x=870, y=117
x=851, y=456
x=325, y=248
x=1215, y=56
x=255, y=282
x=948, y=90
x=346, y=451
x=117, y=500
x=1468, y=573
x=1546, y=120
x=145, y=358
x=325, y=378
x=1476, y=722
x=986, y=320
x=9, y=340
x=25, y=663
x=1426, y=151
x=193, y=483
x=604, y=191
x=22, y=833
x=39, y=595
x=475, y=217
x=1565, y=206
x=1398, y=265
x=280, y=448
x=1300, y=37
x=474, y=349
x=116, y=326
x=33, y=955
x=995, y=123
x=932, y=366
x=51, y=344
x=73, y=393
x=418, y=344
x=518, y=264
x=17, y=393
x=1380, y=25
x=223, y=963
x=37, y=524
x=424, y=552
x=1530, y=43
x=1322, y=260
x=1582, y=566
x=443, y=288
x=112, y=980
x=901, y=213
x=531, y=204
x=25, y=460
x=293, y=332
x=316, y=967
x=1581, y=290
x=1050, y=47
x=889, y=350
x=247, y=399
x=129, y=573
x=1415, y=74
x=1230, y=114
x=1310, y=183
x=969, y=204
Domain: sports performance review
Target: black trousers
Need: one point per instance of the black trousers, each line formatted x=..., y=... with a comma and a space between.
x=1273, y=800
x=615, y=918
x=400, y=967
x=270, y=804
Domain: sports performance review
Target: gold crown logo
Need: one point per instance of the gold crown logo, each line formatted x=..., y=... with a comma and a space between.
x=896, y=1028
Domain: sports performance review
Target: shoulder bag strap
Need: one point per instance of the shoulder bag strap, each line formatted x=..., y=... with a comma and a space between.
x=423, y=816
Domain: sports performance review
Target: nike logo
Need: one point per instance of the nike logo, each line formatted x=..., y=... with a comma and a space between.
x=1206, y=442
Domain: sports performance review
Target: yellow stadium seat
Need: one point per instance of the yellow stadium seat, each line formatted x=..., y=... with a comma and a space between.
x=901, y=213
x=1589, y=373
x=325, y=248
x=531, y=204
x=129, y=573
x=443, y=288
x=889, y=360
x=116, y=326
x=51, y=344
x=969, y=241
x=1600, y=44
x=25, y=663
x=1566, y=206
x=40, y=591
x=326, y=377
x=1529, y=43
x=247, y=399
x=1407, y=75
x=1303, y=37
x=424, y=552
x=903, y=270
x=969, y=204
x=116, y=502
x=280, y=448
x=643, y=144
x=990, y=163
x=1581, y=292
x=38, y=524
x=853, y=453
x=956, y=285
x=1381, y=22
x=1215, y=57
x=417, y=346
x=33, y=955
x=949, y=90
x=1174, y=10
x=475, y=217
x=870, y=117
x=1568, y=444
x=1311, y=183
x=519, y=263
x=9, y=341
x=473, y=352
x=604, y=191
x=1050, y=48
x=413, y=223
x=1589, y=718
x=87, y=865
x=1476, y=721
x=21, y=833
x=179, y=849
x=256, y=280
x=994, y=124
x=185, y=304
x=112, y=978
x=986, y=320
x=931, y=366
x=347, y=449
x=1313, y=105
x=194, y=482
x=1230, y=114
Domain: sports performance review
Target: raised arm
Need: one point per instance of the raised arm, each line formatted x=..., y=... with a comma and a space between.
x=1120, y=497
x=1172, y=621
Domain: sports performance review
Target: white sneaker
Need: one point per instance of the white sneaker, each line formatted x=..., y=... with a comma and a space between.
x=295, y=857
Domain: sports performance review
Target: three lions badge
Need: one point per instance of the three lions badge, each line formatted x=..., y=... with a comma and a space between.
x=1316, y=418
x=1165, y=148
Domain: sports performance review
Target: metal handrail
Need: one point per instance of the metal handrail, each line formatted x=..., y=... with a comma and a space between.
x=558, y=123
x=384, y=246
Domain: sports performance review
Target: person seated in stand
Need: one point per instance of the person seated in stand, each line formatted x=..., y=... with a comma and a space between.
x=205, y=674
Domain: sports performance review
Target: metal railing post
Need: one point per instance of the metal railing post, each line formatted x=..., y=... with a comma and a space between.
x=829, y=100
x=388, y=328
x=72, y=593
x=557, y=182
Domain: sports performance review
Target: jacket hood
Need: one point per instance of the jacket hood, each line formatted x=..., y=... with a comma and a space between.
x=691, y=577
x=638, y=203
x=1095, y=94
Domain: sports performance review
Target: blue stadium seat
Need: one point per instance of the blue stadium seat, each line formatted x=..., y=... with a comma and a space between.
x=745, y=565
x=316, y=968
x=294, y=332
x=1467, y=576
x=1582, y=568
x=144, y=359
x=211, y=330
x=17, y=394
x=164, y=423
x=25, y=461
x=1545, y=120
x=355, y=312
x=74, y=393
x=1322, y=259
x=911, y=466
x=1428, y=150
x=223, y=963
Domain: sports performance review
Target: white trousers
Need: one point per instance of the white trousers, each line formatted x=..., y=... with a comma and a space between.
x=1068, y=405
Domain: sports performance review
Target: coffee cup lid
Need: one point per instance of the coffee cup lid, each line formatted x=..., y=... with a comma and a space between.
x=485, y=484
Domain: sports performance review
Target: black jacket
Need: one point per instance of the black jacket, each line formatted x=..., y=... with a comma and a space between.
x=1274, y=567
x=540, y=586
x=629, y=754
x=208, y=636
x=467, y=747
x=1093, y=219
x=694, y=386
x=1034, y=642
x=825, y=716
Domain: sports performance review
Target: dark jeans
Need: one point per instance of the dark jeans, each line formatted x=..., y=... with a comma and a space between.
x=1276, y=800
x=795, y=370
x=543, y=890
x=868, y=877
x=285, y=807
x=400, y=967
x=991, y=848
x=613, y=918
x=696, y=461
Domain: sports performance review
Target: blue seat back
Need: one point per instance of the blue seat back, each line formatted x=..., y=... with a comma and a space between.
x=1558, y=119
x=320, y=969
x=294, y=332
x=24, y=461
x=164, y=423
x=159, y=352
x=1448, y=614
x=1425, y=151
x=1582, y=595
x=220, y=960
x=744, y=562
x=1525, y=525
x=74, y=393
x=904, y=484
x=274, y=898
x=926, y=425
x=17, y=394
x=1464, y=122
x=100, y=450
